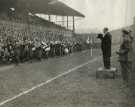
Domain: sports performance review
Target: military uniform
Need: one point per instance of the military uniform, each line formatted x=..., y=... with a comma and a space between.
x=125, y=57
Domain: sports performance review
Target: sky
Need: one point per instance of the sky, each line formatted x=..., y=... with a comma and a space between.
x=103, y=13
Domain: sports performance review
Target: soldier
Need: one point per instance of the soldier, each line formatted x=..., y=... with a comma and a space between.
x=130, y=54
x=123, y=55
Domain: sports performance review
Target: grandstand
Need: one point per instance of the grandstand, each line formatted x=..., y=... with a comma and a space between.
x=18, y=17
x=22, y=28
x=47, y=7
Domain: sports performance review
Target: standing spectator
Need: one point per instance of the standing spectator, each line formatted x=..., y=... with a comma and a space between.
x=31, y=46
x=38, y=53
x=17, y=53
x=123, y=55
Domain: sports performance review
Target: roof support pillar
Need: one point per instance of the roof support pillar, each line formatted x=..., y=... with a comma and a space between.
x=49, y=17
x=67, y=23
x=56, y=19
x=73, y=23
x=63, y=20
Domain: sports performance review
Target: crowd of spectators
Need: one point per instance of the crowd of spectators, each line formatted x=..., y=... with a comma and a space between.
x=31, y=38
x=14, y=50
x=20, y=43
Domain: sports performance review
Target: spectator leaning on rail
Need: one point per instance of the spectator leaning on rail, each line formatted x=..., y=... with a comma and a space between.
x=123, y=53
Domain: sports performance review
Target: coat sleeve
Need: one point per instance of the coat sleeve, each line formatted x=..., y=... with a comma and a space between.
x=125, y=48
x=108, y=42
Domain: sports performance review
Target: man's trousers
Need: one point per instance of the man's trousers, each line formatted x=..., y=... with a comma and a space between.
x=125, y=70
x=107, y=62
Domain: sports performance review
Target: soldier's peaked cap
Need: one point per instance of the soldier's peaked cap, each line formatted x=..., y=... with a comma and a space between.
x=125, y=31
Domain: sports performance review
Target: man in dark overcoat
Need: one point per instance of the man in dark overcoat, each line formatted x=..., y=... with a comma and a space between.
x=106, y=48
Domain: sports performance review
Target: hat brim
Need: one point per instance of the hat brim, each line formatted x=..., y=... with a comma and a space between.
x=125, y=31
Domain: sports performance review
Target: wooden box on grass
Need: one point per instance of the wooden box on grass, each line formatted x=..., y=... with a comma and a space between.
x=106, y=73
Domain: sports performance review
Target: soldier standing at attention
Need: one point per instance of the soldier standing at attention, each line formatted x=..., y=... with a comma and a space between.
x=130, y=54
x=123, y=55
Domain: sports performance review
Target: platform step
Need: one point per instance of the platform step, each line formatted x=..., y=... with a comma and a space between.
x=106, y=73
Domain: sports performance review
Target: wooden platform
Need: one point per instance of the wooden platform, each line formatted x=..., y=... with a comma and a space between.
x=106, y=73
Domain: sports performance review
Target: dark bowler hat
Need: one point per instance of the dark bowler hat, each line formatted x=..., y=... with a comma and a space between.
x=100, y=36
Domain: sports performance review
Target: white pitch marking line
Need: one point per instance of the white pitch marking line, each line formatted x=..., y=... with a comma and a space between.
x=6, y=68
x=45, y=83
